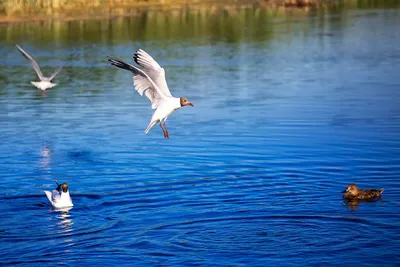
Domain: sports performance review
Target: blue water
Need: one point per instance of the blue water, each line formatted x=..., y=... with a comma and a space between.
x=285, y=117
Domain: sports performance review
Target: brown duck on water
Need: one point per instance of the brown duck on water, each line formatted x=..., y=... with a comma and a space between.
x=352, y=192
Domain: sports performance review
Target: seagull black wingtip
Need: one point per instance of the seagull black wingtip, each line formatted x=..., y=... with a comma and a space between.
x=135, y=58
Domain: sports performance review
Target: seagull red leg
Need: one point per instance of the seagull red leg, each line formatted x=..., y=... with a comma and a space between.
x=162, y=129
x=166, y=131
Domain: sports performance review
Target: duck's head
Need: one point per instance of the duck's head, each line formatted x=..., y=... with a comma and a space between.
x=351, y=189
x=185, y=102
x=64, y=187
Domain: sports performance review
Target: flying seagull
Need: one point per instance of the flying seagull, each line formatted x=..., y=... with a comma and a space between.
x=60, y=197
x=45, y=82
x=151, y=81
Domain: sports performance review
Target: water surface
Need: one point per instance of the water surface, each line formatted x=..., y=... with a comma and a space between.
x=289, y=109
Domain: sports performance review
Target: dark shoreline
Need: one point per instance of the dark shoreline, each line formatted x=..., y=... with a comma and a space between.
x=27, y=13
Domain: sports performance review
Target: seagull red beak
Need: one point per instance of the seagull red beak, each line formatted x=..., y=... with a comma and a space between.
x=190, y=104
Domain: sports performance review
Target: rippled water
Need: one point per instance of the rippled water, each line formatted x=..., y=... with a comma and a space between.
x=289, y=109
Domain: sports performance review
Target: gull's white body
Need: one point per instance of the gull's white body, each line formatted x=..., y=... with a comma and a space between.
x=43, y=85
x=165, y=109
x=45, y=82
x=151, y=82
x=59, y=199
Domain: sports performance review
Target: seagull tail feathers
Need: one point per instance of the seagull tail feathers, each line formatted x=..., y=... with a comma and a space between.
x=150, y=126
x=48, y=194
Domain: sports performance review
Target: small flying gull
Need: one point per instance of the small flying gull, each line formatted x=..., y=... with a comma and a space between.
x=45, y=82
x=60, y=197
x=151, y=81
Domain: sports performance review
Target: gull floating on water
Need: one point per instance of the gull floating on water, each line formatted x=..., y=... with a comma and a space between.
x=151, y=81
x=45, y=82
x=60, y=197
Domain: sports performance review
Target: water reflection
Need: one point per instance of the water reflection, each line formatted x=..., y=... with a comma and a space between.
x=65, y=225
x=217, y=23
x=45, y=158
x=66, y=221
x=353, y=204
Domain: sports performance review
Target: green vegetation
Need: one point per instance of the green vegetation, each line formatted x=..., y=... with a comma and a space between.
x=22, y=10
x=210, y=24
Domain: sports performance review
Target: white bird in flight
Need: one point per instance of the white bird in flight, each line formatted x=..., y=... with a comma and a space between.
x=60, y=197
x=45, y=82
x=151, y=81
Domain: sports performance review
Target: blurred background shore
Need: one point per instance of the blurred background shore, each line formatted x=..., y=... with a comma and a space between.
x=30, y=10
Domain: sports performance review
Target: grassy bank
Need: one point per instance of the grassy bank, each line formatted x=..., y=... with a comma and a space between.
x=27, y=10
x=16, y=10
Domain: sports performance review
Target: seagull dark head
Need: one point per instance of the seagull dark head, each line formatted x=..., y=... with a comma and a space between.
x=185, y=102
x=64, y=187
